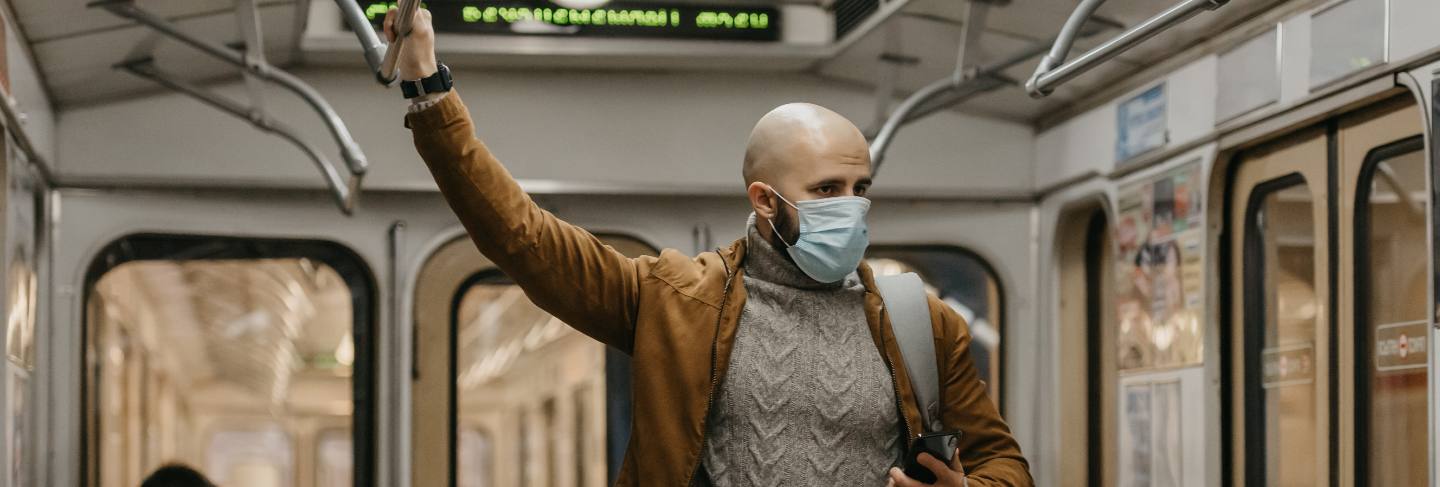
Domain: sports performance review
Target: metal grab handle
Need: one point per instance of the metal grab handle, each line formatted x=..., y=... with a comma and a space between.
x=343, y=189
x=381, y=58
x=1050, y=73
x=350, y=150
x=965, y=83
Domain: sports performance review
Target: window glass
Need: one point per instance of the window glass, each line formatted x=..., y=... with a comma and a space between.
x=967, y=285
x=475, y=467
x=529, y=377
x=259, y=457
x=334, y=462
x=1284, y=228
x=185, y=350
x=1392, y=321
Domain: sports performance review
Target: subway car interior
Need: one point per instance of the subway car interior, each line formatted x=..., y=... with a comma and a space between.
x=1186, y=242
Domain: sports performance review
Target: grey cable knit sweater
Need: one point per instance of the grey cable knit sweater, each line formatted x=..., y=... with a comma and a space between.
x=807, y=399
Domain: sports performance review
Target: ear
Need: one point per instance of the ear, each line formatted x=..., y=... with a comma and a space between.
x=761, y=200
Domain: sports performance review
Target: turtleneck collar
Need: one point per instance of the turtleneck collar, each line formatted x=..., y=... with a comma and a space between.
x=765, y=262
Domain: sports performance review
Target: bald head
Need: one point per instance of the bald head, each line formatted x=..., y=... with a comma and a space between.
x=796, y=135
x=802, y=152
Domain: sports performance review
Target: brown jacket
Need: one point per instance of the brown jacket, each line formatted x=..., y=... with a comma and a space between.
x=676, y=315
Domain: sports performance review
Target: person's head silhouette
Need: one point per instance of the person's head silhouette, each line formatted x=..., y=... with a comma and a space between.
x=176, y=475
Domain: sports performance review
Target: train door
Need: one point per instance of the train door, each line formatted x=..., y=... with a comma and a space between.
x=235, y=334
x=1327, y=337
x=529, y=401
x=1384, y=288
x=1088, y=428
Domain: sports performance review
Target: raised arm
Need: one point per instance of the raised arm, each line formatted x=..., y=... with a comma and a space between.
x=987, y=450
x=564, y=269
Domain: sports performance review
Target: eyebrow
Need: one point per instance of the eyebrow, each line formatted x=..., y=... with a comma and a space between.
x=841, y=182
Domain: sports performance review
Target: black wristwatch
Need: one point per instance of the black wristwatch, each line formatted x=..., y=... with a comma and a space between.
x=439, y=82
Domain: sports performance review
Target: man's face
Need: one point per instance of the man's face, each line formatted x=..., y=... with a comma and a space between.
x=803, y=152
x=814, y=170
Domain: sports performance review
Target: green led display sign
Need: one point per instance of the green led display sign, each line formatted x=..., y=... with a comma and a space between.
x=615, y=19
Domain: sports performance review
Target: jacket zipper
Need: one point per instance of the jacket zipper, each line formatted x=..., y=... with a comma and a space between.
x=714, y=369
x=895, y=384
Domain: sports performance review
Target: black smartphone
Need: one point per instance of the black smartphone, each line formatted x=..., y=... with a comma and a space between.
x=938, y=445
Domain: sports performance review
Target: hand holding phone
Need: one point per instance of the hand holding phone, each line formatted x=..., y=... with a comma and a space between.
x=939, y=445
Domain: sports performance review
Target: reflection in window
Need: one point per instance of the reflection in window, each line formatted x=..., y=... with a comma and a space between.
x=253, y=458
x=334, y=459
x=474, y=464
x=1391, y=321
x=965, y=283
x=530, y=378
x=191, y=354
x=1283, y=237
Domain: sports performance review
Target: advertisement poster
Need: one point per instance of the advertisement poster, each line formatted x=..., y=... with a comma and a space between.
x=1151, y=449
x=1166, y=420
x=1160, y=270
x=1140, y=124
x=1136, y=449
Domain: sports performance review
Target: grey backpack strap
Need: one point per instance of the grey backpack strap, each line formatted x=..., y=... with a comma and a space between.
x=909, y=310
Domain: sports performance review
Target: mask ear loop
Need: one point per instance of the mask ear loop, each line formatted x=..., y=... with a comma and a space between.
x=771, y=221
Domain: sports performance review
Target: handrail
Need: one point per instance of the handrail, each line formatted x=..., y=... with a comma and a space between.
x=350, y=150
x=369, y=42
x=253, y=65
x=1048, y=75
x=344, y=190
x=963, y=86
x=381, y=58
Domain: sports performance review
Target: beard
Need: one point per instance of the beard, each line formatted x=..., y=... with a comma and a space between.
x=785, y=230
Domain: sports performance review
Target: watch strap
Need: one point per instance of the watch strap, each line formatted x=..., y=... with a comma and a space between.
x=438, y=82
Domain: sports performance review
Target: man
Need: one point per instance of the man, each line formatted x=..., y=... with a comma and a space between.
x=176, y=475
x=769, y=362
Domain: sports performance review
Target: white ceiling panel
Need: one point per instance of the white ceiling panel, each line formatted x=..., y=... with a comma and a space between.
x=79, y=69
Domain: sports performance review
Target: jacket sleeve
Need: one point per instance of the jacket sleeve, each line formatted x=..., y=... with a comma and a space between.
x=564, y=269
x=987, y=450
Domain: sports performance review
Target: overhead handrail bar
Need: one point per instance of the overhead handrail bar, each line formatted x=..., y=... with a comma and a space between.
x=349, y=149
x=253, y=64
x=970, y=32
x=369, y=41
x=1050, y=73
x=381, y=58
x=965, y=86
x=343, y=189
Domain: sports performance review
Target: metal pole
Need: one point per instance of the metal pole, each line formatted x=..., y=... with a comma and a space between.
x=344, y=190
x=404, y=16
x=984, y=79
x=1048, y=76
x=369, y=40
x=349, y=149
x=887, y=132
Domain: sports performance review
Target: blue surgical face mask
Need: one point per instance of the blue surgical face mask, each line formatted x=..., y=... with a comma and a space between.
x=833, y=236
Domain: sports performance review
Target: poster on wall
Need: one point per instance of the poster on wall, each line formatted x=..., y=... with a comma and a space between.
x=1140, y=124
x=1151, y=450
x=1160, y=270
x=1135, y=437
x=1166, y=466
